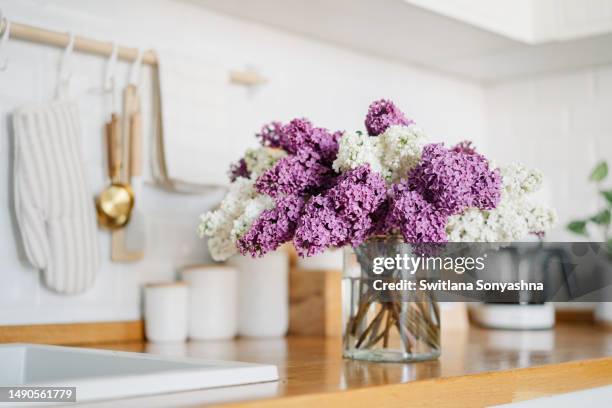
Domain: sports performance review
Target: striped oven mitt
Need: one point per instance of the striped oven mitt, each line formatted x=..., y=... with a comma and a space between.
x=54, y=208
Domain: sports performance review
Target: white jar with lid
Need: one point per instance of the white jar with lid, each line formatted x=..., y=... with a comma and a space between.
x=263, y=294
x=212, y=301
x=165, y=311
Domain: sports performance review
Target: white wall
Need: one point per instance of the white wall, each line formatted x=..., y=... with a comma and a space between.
x=561, y=124
x=330, y=85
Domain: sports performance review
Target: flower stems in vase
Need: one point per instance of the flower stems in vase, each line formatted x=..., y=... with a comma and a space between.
x=388, y=326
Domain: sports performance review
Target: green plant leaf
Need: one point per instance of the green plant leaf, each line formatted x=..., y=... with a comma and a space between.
x=608, y=196
x=577, y=227
x=600, y=171
x=602, y=218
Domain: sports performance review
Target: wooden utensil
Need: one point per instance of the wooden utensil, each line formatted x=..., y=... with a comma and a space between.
x=127, y=244
x=136, y=143
x=135, y=230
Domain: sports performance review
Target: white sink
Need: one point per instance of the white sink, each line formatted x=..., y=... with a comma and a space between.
x=103, y=374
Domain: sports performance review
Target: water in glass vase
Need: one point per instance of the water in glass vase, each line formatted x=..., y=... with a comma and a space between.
x=386, y=325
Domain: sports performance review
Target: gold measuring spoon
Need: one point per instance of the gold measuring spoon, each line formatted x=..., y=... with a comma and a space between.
x=114, y=204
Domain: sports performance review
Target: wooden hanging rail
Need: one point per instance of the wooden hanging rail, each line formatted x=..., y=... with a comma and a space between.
x=39, y=35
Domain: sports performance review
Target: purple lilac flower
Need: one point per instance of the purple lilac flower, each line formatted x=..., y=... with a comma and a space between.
x=486, y=190
x=307, y=168
x=273, y=227
x=386, y=223
x=453, y=180
x=238, y=169
x=383, y=223
x=465, y=146
x=343, y=214
x=271, y=135
x=418, y=220
x=301, y=135
x=320, y=227
x=358, y=193
x=382, y=114
x=301, y=173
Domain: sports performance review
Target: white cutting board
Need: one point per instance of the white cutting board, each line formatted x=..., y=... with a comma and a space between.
x=104, y=374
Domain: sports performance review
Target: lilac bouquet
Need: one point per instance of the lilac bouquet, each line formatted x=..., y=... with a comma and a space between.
x=322, y=189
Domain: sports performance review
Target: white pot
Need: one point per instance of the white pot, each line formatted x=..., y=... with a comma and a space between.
x=603, y=313
x=513, y=316
x=165, y=311
x=213, y=298
x=263, y=295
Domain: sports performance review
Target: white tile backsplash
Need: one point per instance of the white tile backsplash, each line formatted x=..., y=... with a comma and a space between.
x=332, y=86
x=576, y=86
x=560, y=123
x=591, y=117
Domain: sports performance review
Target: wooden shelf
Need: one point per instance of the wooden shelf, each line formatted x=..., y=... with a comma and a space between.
x=74, y=333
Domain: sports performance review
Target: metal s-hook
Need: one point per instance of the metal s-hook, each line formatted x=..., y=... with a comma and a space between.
x=5, y=36
x=109, y=86
x=65, y=68
x=136, y=68
x=109, y=74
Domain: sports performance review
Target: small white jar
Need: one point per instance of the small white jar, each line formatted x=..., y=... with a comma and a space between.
x=212, y=301
x=165, y=311
x=330, y=259
x=263, y=294
x=603, y=313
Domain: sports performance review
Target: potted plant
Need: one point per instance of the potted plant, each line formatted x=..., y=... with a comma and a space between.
x=597, y=227
x=379, y=192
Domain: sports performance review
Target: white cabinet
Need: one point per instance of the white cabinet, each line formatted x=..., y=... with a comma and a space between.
x=580, y=18
x=483, y=40
x=529, y=21
x=510, y=18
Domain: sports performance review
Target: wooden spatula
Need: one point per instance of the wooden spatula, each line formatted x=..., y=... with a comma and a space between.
x=127, y=245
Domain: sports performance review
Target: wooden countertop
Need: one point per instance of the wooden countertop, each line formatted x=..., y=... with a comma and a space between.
x=478, y=367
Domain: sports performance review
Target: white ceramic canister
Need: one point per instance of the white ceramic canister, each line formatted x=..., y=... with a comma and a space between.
x=603, y=313
x=603, y=309
x=165, y=311
x=328, y=260
x=263, y=294
x=212, y=301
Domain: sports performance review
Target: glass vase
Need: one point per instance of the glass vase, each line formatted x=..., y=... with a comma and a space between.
x=386, y=325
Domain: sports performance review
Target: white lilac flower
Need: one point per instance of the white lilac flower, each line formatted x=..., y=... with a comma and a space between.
x=508, y=222
x=513, y=219
x=221, y=247
x=466, y=227
x=393, y=153
x=505, y=223
x=400, y=150
x=519, y=180
x=540, y=218
x=261, y=159
x=243, y=204
x=356, y=149
x=252, y=210
x=239, y=192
